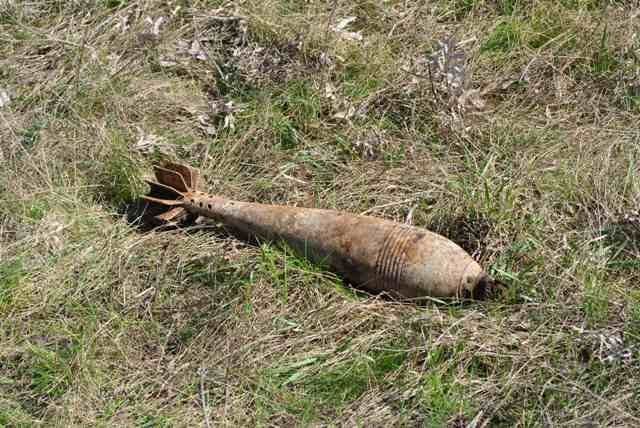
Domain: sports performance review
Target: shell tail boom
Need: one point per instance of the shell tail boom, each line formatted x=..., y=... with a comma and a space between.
x=167, y=193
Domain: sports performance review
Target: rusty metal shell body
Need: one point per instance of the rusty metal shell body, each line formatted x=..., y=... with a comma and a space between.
x=377, y=254
x=372, y=253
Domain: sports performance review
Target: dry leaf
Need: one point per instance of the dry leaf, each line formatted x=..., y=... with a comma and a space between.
x=206, y=125
x=370, y=145
x=167, y=62
x=50, y=232
x=220, y=111
x=123, y=23
x=150, y=143
x=197, y=52
x=348, y=35
x=4, y=98
x=330, y=91
x=342, y=24
x=155, y=25
x=447, y=67
x=345, y=114
x=612, y=349
x=326, y=61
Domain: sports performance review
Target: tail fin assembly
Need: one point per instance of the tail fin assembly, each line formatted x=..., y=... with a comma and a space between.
x=167, y=193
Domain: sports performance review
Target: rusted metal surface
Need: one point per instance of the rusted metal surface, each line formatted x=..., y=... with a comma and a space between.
x=372, y=253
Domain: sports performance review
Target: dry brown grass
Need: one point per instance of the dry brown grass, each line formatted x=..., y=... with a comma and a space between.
x=533, y=168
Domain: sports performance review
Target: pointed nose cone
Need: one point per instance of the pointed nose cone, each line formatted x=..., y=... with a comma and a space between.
x=436, y=266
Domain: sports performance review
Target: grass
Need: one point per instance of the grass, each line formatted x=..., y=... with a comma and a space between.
x=10, y=276
x=104, y=324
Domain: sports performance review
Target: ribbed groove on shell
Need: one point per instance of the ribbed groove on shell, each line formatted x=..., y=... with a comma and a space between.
x=384, y=261
x=391, y=260
x=382, y=255
x=388, y=262
x=391, y=263
x=398, y=258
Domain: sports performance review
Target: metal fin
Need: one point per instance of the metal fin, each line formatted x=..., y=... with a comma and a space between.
x=167, y=202
x=174, y=215
x=180, y=177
